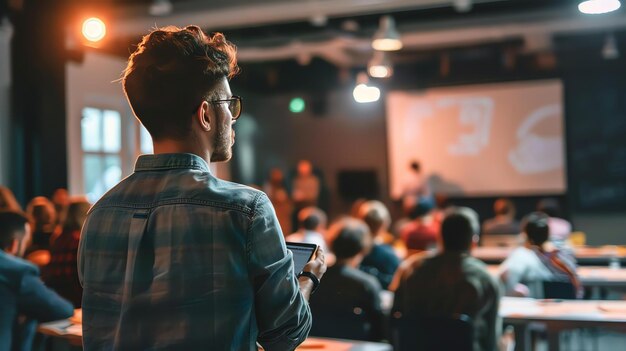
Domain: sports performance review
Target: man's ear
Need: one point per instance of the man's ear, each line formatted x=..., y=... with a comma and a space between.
x=203, y=115
x=14, y=247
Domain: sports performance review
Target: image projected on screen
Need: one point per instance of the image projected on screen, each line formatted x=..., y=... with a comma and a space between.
x=491, y=139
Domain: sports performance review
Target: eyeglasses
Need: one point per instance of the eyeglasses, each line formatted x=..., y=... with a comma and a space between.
x=234, y=105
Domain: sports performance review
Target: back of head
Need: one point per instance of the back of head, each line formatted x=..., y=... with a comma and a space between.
x=550, y=207
x=311, y=218
x=375, y=215
x=7, y=200
x=351, y=237
x=171, y=72
x=43, y=213
x=421, y=209
x=459, y=228
x=12, y=225
x=305, y=168
x=504, y=207
x=536, y=227
x=76, y=213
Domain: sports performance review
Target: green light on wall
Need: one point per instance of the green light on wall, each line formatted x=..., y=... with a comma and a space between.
x=297, y=105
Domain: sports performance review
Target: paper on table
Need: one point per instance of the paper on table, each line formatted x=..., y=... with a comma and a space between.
x=326, y=344
x=519, y=307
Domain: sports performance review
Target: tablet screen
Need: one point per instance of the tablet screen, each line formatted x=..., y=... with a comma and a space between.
x=302, y=254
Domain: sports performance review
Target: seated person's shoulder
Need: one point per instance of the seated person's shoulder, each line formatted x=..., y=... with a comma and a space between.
x=17, y=265
x=366, y=279
x=14, y=269
x=408, y=267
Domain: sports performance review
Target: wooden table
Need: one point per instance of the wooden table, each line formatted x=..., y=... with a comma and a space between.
x=72, y=333
x=590, y=276
x=585, y=255
x=560, y=315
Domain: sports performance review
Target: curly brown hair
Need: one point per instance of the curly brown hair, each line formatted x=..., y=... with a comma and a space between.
x=171, y=72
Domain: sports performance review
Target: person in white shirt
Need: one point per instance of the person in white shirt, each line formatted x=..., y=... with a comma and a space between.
x=560, y=229
x=528, y=266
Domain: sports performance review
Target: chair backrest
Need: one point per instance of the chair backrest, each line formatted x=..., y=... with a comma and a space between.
x=343, y=324
x=426, y=333
x=558, y=290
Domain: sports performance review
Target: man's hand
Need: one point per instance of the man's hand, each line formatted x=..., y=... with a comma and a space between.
x=318, y=268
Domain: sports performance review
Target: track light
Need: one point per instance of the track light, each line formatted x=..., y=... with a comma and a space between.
x=160, y=8
x=380, y=65
x=596, y=7
x=363, y=93
x=610, y=50
x=462, y=5
x=387, y=37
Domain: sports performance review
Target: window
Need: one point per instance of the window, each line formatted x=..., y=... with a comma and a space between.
x=145, y=141
x=101, y=141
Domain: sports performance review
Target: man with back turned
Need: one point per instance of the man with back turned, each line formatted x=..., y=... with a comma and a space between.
x=173, y=258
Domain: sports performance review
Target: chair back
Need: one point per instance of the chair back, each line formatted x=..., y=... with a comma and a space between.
x=558, y=290
x=343, y=324
x=426, y=333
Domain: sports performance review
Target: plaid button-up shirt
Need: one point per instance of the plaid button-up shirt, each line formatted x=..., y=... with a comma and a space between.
x=173, y=258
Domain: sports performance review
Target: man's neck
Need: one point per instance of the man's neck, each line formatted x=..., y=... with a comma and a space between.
x=170, y=146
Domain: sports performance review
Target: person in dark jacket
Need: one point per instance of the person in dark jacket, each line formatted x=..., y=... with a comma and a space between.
x=24, y=299
x=348, y=304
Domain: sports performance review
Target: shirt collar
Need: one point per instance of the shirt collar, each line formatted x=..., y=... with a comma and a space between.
x=161, y=162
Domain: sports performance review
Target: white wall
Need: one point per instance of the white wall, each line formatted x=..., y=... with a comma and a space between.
x=6, y=32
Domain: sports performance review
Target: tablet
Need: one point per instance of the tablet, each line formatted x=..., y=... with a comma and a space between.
x=302, y=254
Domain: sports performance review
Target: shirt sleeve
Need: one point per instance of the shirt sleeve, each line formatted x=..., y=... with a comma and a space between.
x=492, y=318
x=512, y=271
x=38, y=302
x=283, y=315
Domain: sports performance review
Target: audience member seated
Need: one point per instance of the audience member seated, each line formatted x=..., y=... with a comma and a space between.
x=420, y=234
x=305, y=186
x=382, y=260
x=8, y=201
x=43, y=213
x=560, y=229
x=451, y=282
x=380, y=218
x=24, y=299
x=61, y=201
x=312, y=225
x=504, y=222
x=524, y=271
x=348, y=304
x=61, y=273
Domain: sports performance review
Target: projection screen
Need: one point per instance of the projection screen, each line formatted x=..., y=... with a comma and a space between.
x=480, y=140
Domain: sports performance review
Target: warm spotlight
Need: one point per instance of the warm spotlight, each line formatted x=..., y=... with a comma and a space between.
x=94, y=29
x=596, y=7
x=364, y=93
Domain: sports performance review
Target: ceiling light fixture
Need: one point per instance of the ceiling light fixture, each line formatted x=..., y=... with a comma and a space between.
x=380, y=66
x=160, y=8
x=596, y=7
x=462, y=5
x=387, y=37
x=610, y=50
x=364, y=93
x=94, y=29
